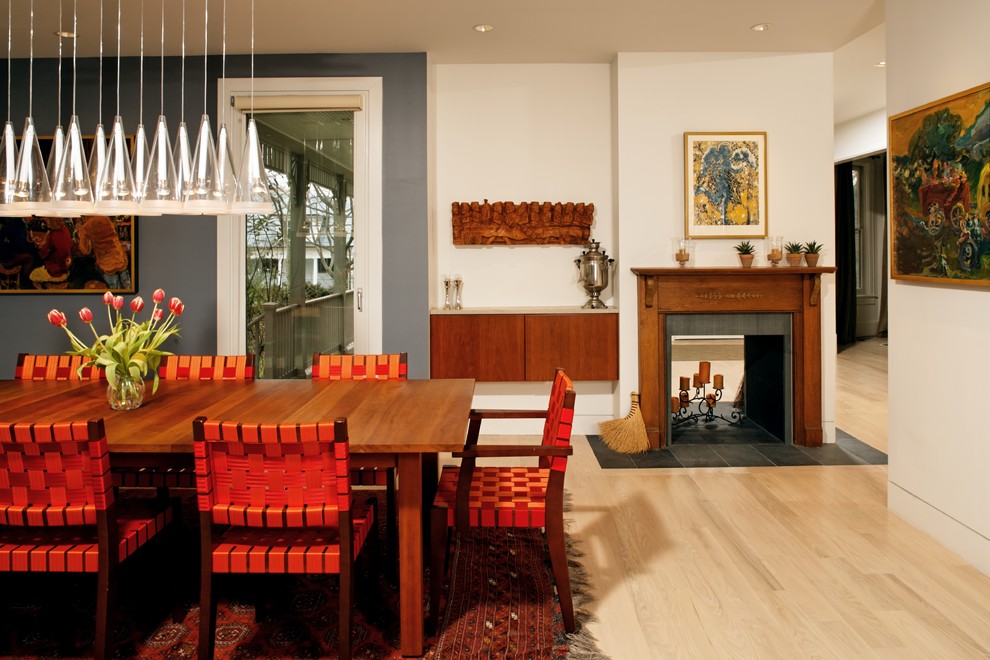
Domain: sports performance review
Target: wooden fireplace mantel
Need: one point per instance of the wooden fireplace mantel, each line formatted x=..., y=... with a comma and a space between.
x=794, y=290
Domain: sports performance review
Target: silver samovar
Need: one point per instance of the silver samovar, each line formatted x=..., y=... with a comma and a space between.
x=593, y=265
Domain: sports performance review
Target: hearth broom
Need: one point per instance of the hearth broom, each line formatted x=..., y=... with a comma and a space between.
x=626, y=435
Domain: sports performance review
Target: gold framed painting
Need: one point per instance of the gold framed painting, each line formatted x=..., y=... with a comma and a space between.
x=939, y=157
x=725, y=191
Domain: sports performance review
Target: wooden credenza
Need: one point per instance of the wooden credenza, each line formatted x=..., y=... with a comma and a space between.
x=524, y=344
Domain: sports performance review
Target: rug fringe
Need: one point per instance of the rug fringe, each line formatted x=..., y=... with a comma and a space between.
x=627, y=435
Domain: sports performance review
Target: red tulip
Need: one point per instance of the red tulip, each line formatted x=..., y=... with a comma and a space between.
x=157, y=315
x=137, y=304
x=56, y=317
x=173, y=304
x=158, y=296
x=108, y=298
x=118, y=303
x=85, y=315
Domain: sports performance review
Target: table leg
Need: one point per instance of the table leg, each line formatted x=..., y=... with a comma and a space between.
x=410, y=506
x=431, y=478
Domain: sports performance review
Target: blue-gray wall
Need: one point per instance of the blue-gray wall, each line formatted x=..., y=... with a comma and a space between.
x=177, y=253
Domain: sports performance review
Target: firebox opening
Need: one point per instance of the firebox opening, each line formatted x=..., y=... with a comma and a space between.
x=750, y=355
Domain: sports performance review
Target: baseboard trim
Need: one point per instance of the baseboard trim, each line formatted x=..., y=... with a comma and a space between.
x=954, y=535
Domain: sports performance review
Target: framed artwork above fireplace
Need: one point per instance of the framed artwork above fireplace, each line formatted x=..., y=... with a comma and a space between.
x=725, y=185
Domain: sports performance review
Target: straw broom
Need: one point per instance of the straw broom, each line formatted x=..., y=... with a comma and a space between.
x=626, y=435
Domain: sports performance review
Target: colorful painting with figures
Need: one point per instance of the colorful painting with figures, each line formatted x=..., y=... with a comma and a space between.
x=65, y=255
x=725, y=185
x=940, y=190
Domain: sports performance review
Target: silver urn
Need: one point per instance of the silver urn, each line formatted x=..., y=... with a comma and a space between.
x=593, y=266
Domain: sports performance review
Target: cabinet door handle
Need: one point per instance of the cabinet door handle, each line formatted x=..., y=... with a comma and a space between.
x=360, y=300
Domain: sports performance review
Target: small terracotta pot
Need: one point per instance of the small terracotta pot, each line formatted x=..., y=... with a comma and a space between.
x=812, y=259
x=794, y=259
x=746, y=260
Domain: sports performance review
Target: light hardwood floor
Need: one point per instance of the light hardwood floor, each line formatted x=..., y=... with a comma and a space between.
x=802, y=562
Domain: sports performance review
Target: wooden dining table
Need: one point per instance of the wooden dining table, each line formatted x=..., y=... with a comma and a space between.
x=397, y=423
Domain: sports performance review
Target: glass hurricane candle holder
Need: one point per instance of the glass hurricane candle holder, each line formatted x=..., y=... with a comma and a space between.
x=775, y=249
x=682, y=250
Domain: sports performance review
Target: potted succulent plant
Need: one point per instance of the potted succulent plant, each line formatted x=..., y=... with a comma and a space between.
x=794, y=253
x=812, y=250
x=747, y=252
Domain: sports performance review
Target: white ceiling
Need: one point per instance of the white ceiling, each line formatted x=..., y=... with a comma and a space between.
x=543, y=31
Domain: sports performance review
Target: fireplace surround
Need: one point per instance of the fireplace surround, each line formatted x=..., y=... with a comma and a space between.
x=664, y=292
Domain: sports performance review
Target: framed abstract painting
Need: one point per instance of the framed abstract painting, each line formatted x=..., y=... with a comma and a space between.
x=725, y=177
x=940, y=190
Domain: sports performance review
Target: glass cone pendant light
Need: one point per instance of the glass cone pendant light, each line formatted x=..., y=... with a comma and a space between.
x=72, y=190
x=252, y=181
x=203, y=195
x=160, y=193
x=115, y=188
x=58, y=139
x=98, y=152
x=31, y=191
x=139, y=159
x=8, y=145
x=226, y=170
x=182, y=153
x=8, y=170
x=226, y=179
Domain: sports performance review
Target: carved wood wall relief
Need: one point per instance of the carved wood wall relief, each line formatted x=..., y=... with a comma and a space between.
x=526, y=223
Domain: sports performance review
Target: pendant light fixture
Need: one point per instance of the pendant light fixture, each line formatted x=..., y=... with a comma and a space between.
x=225, y=163
x=204, y=194
x=8, y=144
x=71, y=188
x=139, y=159
x=115, y=187
x=58, y=138
x=161, y=192
x=98, y=153
x=252, y=180
x=31, y=191
x=183, y=153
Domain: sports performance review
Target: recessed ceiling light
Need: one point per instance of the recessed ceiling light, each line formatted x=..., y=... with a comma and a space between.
x=65, y=34
x=484, y=27
x=881, y=64
x=761, y=27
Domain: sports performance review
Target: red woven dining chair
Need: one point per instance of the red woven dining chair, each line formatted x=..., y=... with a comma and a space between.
x=58, y=513
x=385, y=366
x=207, y=367
x=276, y=498
x=54, y=367
x=487, y=496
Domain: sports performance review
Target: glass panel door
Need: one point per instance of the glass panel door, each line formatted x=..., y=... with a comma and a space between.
x=299, y=260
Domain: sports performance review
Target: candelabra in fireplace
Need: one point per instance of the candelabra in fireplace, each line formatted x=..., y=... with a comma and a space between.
x=686, y=407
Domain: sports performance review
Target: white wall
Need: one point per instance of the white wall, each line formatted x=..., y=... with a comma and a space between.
x=861, y=136
x=939, y=443
x=522, y=133
x=662, y=95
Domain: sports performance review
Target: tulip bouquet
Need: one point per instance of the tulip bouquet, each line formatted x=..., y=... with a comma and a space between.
x=131, y=348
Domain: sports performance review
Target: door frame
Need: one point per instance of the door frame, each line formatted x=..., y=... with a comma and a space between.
x=367, y=205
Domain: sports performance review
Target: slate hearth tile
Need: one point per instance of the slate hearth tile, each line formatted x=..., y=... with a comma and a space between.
x=786, y=455
x=859, y=448
x=832, y=454
x=607, y=457
x=656, y=458
x=742, y=455
x=697, y=456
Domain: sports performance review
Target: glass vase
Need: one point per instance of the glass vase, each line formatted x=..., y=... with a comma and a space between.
x=126, y=394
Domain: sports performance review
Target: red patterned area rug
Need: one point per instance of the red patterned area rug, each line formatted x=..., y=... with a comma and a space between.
x=503, y=606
